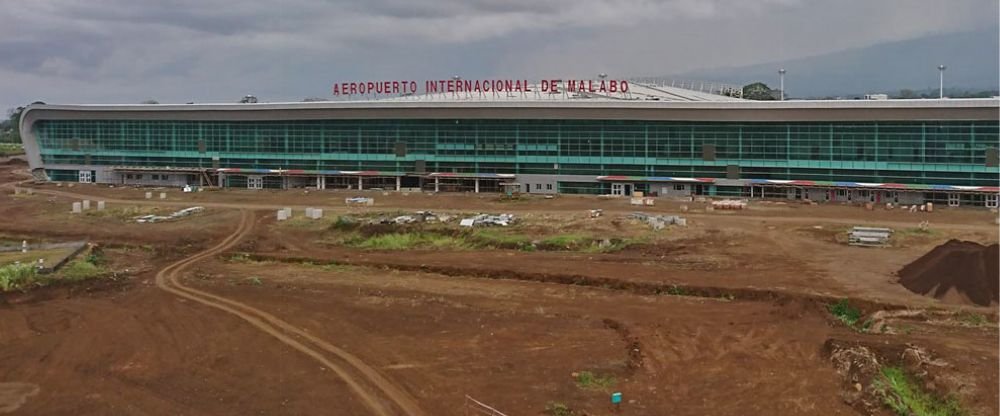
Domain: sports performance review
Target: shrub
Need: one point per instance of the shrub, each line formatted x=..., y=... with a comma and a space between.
x=558, y=409
x=901, y=394
x=589, y=380
x=16, y=276
x=81, y=270
x=846, y=313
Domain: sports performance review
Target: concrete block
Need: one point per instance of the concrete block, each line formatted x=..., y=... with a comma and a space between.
x=77, y=208
x=163, y=195
x=100, y=205
x=282, y=215
x=149, y=195
x=86, y=204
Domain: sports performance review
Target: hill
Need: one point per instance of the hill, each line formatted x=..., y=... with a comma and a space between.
x=971, y=57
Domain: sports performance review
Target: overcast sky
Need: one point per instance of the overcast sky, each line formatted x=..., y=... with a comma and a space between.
x=126, y=51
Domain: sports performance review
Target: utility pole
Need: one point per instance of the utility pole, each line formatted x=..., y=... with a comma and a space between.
x=781, y=77
x=941, y=69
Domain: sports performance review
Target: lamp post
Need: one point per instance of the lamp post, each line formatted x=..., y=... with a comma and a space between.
x=941, y=69
x=781, y=77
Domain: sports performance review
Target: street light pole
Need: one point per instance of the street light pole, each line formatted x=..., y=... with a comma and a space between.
x=941, y=69
x=781, y=76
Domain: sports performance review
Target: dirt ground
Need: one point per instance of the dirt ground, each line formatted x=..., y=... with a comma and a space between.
x=230, y=312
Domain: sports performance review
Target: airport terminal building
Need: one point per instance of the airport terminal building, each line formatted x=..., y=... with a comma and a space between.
x=660, y=140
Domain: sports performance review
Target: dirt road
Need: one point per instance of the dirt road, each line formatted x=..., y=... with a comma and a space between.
x=365, y=381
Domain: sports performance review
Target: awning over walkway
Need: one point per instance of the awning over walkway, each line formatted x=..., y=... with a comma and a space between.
x=878, y=186
x=158, y=169
x=302, y=172
x=654, y=179
x=471, y=175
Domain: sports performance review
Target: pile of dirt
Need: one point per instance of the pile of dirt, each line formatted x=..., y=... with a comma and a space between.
x=956, y=272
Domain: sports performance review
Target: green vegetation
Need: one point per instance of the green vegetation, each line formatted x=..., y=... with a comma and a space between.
x=566, y=241
x=901, y=394
x=499, y=239
x=352, y=232
x=407, y=241
x=846, y=313
x=676, y=291
x=7, y=149
x=971, y=318
x=80, y=269
x=558, y=409
x=590, y=381
x=89, y=267
x=123, y=214
x=254, y=280
x=17, y=276
x=51, y=256
x=759, y=91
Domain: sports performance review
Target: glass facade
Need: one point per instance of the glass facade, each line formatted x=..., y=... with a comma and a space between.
x=921, y=152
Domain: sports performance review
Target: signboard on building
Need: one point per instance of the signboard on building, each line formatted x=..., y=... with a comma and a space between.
x=479, y=86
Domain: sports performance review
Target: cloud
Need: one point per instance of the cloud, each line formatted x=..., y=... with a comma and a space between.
x=218, y=50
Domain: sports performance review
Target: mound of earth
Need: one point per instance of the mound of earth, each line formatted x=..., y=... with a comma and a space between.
x=956, y=272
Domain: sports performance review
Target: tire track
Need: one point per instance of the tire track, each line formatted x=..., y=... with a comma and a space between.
x=167, y=279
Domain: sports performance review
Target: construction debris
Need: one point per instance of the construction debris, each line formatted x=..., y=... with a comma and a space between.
x=659, y=222
x=419, y=216
x=314, y=213
x=360, y=200
x=638, y=198
x=594, y=213
x=502, y=220
x=729, y=204
x=869, y=236
x=179, y=214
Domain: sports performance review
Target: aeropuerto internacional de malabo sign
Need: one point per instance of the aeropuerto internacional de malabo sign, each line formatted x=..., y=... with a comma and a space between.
x=480, y=86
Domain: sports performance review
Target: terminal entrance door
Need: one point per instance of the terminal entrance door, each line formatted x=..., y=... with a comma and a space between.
x=255, y=182
x=86, y=176
x=953, y=200
x=621, y=189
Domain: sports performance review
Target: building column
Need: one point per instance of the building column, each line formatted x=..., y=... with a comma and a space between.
x=319, y=182
x=477, y=185
x=437, y=184
x=399, y=183
x=322, y=181
x=361, y=186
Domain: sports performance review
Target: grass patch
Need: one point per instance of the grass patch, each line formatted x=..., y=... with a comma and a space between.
x=17, y=276
x=51, y=256
x=8, y=149
x=905, y=397
x=971, y=318
x=566, y=241
x=124, y=214
x=499, y=239
x=558, y=409
x=843, y=311
x=408, y=241
x=342, y=223
x=81, y=269
x=590, y=381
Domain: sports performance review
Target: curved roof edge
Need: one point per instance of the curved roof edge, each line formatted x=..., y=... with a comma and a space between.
x=543, y=104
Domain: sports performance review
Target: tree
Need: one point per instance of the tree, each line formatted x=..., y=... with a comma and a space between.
x=907, y=94
x=759, y=91
x=10, y=129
